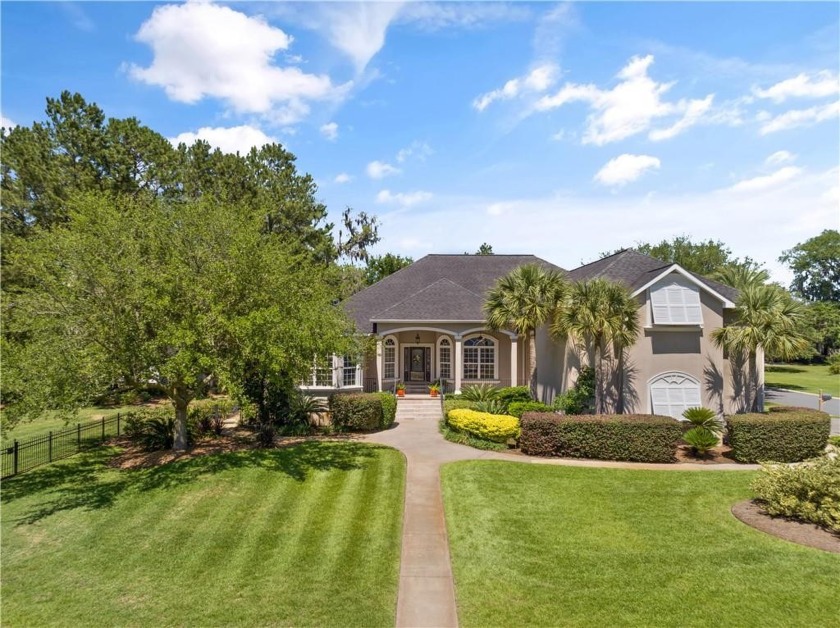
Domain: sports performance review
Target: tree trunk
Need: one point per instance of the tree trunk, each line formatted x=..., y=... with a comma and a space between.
x=619, y=402
x=532, y=362
x=756, y=403
x=594, y=364
x=181, y=399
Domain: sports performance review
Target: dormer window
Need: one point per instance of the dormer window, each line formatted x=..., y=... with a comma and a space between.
x=674, y=301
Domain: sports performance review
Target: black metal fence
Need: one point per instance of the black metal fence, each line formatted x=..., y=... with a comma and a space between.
x=23, y=455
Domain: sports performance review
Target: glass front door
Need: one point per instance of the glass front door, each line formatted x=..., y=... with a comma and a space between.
x=417, y=364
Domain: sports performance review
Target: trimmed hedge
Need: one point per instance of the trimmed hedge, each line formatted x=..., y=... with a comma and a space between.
x=785, y=434
x=810, y=492
x=518, y=408
x=493, y=427
x=630, y=437
x=363, y=411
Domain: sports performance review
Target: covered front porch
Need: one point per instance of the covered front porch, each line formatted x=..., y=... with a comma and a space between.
x=454, y=354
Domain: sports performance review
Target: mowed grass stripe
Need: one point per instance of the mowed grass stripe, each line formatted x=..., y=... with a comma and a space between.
x=237, y=539
x=536, y=545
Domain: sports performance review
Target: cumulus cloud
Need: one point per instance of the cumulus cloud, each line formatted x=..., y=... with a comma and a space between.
x=330, y=131
x=236, y=139
x=626, y=168
x=798, y=118
x=780, y=157
x=817, y=85
x=343, y=178
x=537, y=80
x=630, y=107
x=6, y=123
x=406, y=199
x=205, y=50
x=381, y=169
x=767, y=182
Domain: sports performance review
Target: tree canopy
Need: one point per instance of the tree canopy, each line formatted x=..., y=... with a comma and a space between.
x=381, y=266
x=816, y=267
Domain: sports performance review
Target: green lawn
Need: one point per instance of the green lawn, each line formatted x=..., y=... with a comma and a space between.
x=564, y=546
x=43, y=425
x=803, y=377
x=307, y=536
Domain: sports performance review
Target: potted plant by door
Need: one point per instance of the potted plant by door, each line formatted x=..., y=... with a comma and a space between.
x=400, y=388
x=434, y=389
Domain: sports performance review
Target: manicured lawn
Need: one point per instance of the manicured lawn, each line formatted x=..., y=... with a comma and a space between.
x=563, y=546
x=803, y=377
x=307, y=535
x=43, y=425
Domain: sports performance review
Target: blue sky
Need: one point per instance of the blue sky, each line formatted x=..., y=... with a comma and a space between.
x=562, y=130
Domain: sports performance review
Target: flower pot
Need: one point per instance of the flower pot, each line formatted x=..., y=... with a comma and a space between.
x=433, y=393
x=400, y=393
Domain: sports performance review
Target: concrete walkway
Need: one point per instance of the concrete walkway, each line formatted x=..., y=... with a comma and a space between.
x=427, y=590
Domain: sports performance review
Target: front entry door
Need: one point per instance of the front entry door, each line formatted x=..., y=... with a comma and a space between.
x=417, y=364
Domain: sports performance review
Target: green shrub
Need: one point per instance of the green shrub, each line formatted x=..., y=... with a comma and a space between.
x=518, y=408
x=700, y=439
x=363, y=411
x=479, y=392
x=704, y=418
x=454, y=404
x=158, y=433
x=465, y=438
x=490, y=406
x=494, y=427
x=785, y=434
x=301, y=408
x=810, y=491
x=580, y=399
x=635, y=438
x=834, y=440
x=389, y=409
x=512, y=394
x=265, y=434
x=137, y=422
x=208, y=415
x=834, y=364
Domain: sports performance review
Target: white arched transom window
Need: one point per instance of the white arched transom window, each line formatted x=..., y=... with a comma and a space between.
x=389, y=351
x=480, y=358
x=445, y=358
x=672, y=393
x=675, y=301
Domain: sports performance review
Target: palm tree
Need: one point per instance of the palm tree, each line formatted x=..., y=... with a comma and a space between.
x=741, y=276
x=767, y=318
x=597, y=313
x=523, y=300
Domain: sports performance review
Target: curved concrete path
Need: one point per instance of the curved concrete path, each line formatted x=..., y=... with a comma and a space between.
x=427, y=591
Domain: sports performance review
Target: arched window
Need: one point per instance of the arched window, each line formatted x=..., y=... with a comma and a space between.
x=672, y=393
x=480, y=358
x=389, y=358
x=445, y=358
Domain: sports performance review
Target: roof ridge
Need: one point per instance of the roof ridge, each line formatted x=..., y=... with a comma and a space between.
x=423, y=289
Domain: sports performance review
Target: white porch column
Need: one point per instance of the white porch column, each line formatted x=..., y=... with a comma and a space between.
x=380, y=363
x=456, y=363
x=514, y=361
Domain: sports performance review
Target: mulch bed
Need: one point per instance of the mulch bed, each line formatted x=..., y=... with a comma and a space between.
x=722, y=454
x=799, y=532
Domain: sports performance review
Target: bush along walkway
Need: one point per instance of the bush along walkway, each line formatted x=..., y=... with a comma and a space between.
x=427, y=591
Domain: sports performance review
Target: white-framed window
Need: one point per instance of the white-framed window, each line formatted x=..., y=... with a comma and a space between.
x=479, y=358
x=675, y=301
x=445, y=358
x=349, y=371
x=322, y=372
x=672, y=393
x=389, y=358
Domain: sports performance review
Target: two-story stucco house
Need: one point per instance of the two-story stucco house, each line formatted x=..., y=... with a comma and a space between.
x=428, y=323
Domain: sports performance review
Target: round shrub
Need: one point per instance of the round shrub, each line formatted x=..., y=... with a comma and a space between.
x=498, y=428
x=363, y=411
x=785, y=434
x=518, y=408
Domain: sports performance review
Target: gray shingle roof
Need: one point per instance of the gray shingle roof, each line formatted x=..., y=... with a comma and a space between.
x=635, y=269
x=435, y=287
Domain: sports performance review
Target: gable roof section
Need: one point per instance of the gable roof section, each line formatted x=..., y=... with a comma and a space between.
x=637, y=270
x=435, y=287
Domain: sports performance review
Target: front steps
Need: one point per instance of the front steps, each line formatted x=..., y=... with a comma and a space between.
x=418, y=408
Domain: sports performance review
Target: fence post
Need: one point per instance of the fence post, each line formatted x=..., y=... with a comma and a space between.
x=103, y=428
x=50, y=446
x=78, y=436
x=15, y=470
x=118, y=423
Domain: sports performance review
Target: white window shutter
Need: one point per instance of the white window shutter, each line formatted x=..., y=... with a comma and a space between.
x=672, y=393
x=675, y=302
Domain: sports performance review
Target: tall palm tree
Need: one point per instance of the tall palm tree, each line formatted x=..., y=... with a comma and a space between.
x=741, y=276
x=767, y=318
x=523, y=300
x=595, y=314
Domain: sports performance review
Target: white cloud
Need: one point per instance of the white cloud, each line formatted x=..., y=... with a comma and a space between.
x=780, y=157
x=381, y=169
x=626, y=168
x=433, y=16
x=797, y=118
x=205, y=50
x=817, y=85
x=417, y=150
x=330, y=131
x=407, y=199
x=343, y=178
x=630, y=107
x=767, y=182
x=6, y=123
x=536, y=81
x=237, y=139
